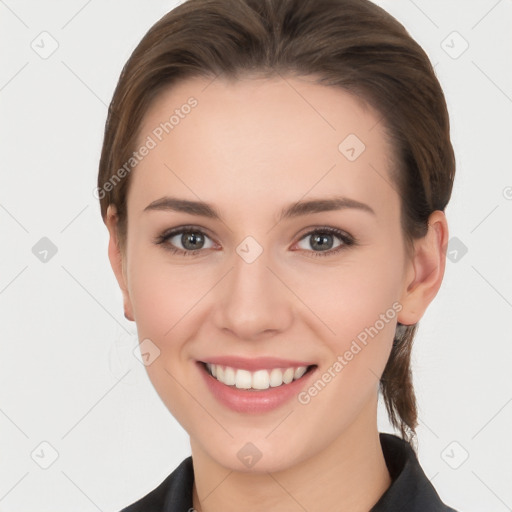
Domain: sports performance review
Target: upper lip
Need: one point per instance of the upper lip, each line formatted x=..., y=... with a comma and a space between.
x=255, y=363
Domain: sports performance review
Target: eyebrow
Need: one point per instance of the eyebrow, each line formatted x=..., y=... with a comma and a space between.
x=297, y=209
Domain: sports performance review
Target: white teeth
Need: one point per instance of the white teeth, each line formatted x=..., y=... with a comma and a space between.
x=212, y=368
x=260, y=379
x=288, y=375
x=276, y=377
x=299, y=372
x=229, y=376
x=243, y=379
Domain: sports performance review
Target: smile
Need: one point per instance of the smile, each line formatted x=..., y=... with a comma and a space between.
x=255, y=380
x=254, y=385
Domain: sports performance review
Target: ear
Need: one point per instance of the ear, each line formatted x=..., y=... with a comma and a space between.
x=117, y=260
x=426, y=270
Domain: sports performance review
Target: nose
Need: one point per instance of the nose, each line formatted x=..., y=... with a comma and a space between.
x=252, y=302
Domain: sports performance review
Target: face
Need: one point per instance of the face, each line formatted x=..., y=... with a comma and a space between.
x=260, y=285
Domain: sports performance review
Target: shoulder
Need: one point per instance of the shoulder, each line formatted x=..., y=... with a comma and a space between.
x=173, y=494
x=410, y=488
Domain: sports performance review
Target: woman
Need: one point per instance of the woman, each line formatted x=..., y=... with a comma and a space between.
x=273, y=178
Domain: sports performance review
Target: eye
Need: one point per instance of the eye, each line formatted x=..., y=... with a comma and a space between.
x=322, y=241
x=191, y=240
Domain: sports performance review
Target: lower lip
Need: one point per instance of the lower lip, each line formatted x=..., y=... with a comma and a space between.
x=249, y=401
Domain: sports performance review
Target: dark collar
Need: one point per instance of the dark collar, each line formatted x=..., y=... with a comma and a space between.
x=410, y=490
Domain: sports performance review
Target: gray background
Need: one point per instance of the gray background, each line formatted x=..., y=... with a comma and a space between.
x=68, y=377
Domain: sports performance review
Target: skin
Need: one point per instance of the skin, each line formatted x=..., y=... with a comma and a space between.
x=250, y=148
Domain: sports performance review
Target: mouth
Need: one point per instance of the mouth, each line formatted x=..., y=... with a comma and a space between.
x=258, y=380
x=255, y=385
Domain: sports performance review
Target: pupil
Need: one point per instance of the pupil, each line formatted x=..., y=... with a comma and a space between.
x=322, y=241
x=191, y=240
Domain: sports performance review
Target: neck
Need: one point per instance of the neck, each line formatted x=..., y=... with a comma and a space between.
x=350, y=474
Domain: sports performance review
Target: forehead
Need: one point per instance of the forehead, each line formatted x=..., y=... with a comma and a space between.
x=260, y=138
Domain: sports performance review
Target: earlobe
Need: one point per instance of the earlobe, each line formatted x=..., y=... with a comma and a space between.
x=116, y=259
x=428, y=264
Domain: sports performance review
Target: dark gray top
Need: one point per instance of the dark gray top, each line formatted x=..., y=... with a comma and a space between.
x=410, y=490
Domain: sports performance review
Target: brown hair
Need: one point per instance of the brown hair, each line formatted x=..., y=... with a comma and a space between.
x=351, y=44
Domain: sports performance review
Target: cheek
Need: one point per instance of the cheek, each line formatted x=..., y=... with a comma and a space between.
x=162, y=294
x=353, y=295
x=360, y=304
x=163, y=298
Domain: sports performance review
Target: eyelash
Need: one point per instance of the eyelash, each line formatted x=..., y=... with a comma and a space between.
x=346, y=239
